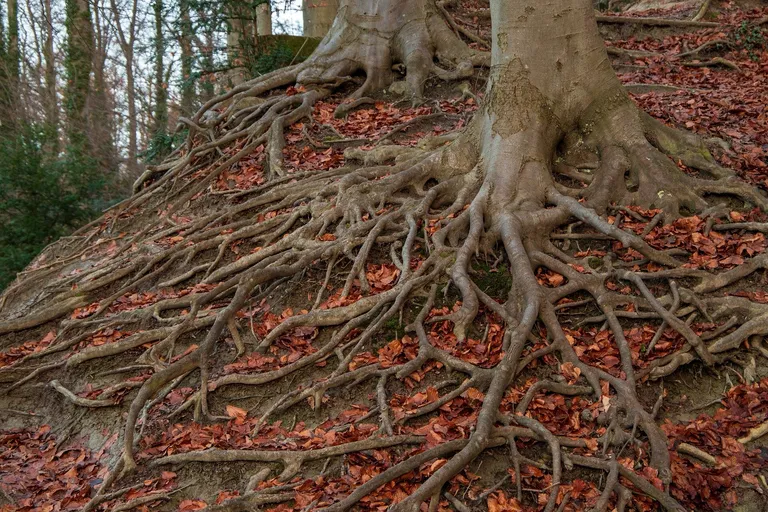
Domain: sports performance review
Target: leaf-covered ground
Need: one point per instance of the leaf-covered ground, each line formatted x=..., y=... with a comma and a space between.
x=710, y=423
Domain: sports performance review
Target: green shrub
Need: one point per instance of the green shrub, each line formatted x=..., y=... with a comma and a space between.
x=42, y=196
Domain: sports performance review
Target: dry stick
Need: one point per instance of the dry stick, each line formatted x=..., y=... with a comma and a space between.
x=716, y=61
x=700, y=454
x=457, y=504
x=458, y=28
x=749, y=226
x=755, y=433
x=566, y=500
x=381, y=397
x=328, y=272
x=702, y=10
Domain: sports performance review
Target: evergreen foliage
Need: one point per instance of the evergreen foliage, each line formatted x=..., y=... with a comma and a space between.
x=42, y=196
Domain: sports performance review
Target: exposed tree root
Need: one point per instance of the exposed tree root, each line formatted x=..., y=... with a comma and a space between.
x=495, y=187
x=659, y=22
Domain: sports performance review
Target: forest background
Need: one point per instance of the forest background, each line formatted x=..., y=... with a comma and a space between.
x=91, y=91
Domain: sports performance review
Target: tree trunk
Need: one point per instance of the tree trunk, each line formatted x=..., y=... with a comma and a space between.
x=51, y=102
x=373, y=36
x=240, y=39
x=206, y=49
x=187, y=59
x=78, y=63
x=161, y=88
x=552, y=103
x=13, y=65
x=102, y=125
x=319, y=16
x=127, y=41
x=552, y=93
x=6, y=97
x=263, y=19
x=14, y=56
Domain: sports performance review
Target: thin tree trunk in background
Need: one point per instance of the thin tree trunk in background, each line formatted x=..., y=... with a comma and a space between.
x=127, y=42
x=78, y=63
x=264, y=19
x=13, y=64
x=319, y=16
x=51, y=103
x=101, y=122
x=161, y=92
x=14, y=57
x=240, y=41
x=5, y=92
x=185, y=42
x=207, y=89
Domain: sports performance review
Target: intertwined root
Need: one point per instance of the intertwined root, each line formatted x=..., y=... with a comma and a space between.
x=432, y=212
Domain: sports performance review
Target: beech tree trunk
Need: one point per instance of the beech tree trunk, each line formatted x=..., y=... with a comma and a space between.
x=375, y=35
x=553, y=92
x=263, y=19
x=552, y=97
x=319, y=16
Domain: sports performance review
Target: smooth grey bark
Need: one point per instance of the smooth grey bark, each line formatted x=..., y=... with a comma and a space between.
x=319, y=16
x=550, y=77
x=374, y=35
x=264, y=19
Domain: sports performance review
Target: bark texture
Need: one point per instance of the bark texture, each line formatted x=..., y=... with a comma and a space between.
x=373, y=36
x=318, y=16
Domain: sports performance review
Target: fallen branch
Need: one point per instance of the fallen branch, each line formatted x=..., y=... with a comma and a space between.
x=702, y=10
x=688, y=449
x=755, y=433
x=717, y=61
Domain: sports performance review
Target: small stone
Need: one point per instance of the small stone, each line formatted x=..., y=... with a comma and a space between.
x=399, y=88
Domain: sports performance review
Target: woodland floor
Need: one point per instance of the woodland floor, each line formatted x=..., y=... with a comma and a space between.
x=54, y=453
